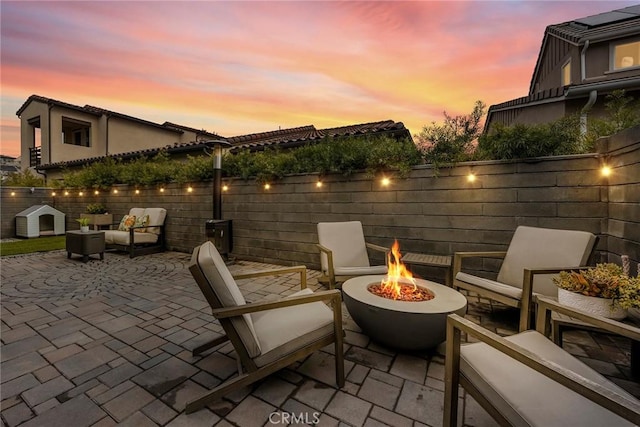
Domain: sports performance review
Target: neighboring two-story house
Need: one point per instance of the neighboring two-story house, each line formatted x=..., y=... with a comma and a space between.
x=53, y=131
x=57, y=136
x=580, y=62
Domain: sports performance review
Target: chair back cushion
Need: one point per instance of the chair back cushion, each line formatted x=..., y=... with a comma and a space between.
x=156, y=217
x=221, y=290
x=533, y=247
x=346, y=241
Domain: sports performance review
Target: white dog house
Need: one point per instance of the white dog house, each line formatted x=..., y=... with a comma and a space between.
x=39, y=220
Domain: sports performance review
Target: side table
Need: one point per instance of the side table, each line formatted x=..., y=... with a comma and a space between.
x=442, y=261
x=85, y=243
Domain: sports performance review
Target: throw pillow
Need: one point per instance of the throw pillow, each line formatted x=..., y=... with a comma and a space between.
x=141, y=221
x=127, y=222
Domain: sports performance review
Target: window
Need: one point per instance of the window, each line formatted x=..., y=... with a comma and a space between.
x=566, y=73
x=626, y=55
x=76, y=132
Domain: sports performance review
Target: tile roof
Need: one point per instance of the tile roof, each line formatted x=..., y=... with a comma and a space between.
x=286, y=138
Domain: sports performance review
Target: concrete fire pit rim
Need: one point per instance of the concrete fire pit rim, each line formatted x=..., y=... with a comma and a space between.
x=446, y=299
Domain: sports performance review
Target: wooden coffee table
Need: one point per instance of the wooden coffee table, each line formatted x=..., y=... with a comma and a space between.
x=443, y=261
x=85, y=243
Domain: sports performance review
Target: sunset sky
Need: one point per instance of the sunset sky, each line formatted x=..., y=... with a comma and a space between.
x=242, y=67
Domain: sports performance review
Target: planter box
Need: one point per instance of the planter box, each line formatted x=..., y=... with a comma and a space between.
x=98, y=220
x=593, y=305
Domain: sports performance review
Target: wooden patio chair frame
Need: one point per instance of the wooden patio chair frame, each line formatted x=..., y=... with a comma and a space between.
x=614, y=402
x=252, y=372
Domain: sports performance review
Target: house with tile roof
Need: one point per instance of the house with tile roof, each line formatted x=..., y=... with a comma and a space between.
x=580, y=62
x=72, y=136
x=53, y=131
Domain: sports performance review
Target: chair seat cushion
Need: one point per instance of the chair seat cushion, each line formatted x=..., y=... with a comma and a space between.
x=285, y=330
x=122, y=237
x=360, y=271
x=526, y=397
x=491, y=285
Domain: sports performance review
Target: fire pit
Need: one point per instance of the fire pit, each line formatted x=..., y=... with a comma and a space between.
x=400, y=311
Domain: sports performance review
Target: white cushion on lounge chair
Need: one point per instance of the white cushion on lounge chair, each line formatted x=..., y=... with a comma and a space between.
x=533, y=247
x=489, y=284
x=279, y=335
x=527, y=397
x=122, y=237
x=156, y=217
x=224, y=286
x=346, y=241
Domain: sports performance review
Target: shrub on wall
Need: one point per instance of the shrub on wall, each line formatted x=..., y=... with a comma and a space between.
x=25, y=178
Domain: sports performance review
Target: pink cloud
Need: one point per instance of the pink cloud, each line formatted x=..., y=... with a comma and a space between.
x=242, y=67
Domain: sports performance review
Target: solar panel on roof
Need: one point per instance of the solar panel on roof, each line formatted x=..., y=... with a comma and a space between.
x=609, y=17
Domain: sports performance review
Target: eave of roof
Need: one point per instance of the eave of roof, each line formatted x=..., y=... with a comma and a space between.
x=98, y=111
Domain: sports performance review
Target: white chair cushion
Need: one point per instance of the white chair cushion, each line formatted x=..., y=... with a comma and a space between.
x=122, y=237
x=360, y=271
x=136, y=212
x=533, y=247
x=285, y=330
x=156, y=217
x=491, y=285
x=346, y=241
x=226, y=290
x=526, y=397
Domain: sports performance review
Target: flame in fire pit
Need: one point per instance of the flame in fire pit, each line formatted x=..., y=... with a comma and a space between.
x=399, y=283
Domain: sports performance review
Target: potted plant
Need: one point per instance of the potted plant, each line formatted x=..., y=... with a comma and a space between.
x=84, y=224
x=606, y=290
x=97, y=214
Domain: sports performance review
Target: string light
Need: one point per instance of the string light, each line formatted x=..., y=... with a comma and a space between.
x=319, y=184
x=53, y=194
x=81, y=194
x=162, y=189
x=190, y=189
x=471, y=177
x=605, y=170
x=115, y=191
x=267, y=186
x=225, y=187
x=66, y=193
x=137, y=191
x=386, y=181
x=13, y=193
x=96, y=192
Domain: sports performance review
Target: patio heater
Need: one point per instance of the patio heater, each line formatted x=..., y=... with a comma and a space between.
x=218, y=230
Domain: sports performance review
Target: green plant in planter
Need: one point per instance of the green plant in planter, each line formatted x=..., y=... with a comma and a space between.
x=96, y=208
x=603, y=281
x=83, y=221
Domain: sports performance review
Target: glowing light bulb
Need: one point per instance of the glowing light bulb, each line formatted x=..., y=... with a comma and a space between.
x=190, y=190
x=162, y=190
x=225, y=188
x=81, y=194
x=137, y=191
x=605, y=170
x=53, y=194
x=96, y=192
x=471, y=177
x=267, y=186
x=13, y=193
x=66, y=193
x=115, y=191
x=385, y=182
x=319, y=184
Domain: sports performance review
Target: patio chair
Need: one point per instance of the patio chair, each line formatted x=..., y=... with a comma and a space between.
x=267, y=336
x=527, y=380
x=343, y=252
x=141, y=232
x=533, y=255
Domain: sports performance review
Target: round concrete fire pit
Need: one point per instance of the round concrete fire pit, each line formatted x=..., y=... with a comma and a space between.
x=404, y=325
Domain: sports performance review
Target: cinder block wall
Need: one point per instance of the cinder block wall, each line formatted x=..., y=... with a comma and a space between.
x=426, y=213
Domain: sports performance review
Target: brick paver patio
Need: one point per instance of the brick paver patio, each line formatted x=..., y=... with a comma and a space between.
x=108, y=342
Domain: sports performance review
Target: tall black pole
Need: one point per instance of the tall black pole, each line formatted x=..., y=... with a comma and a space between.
x=217, y=182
